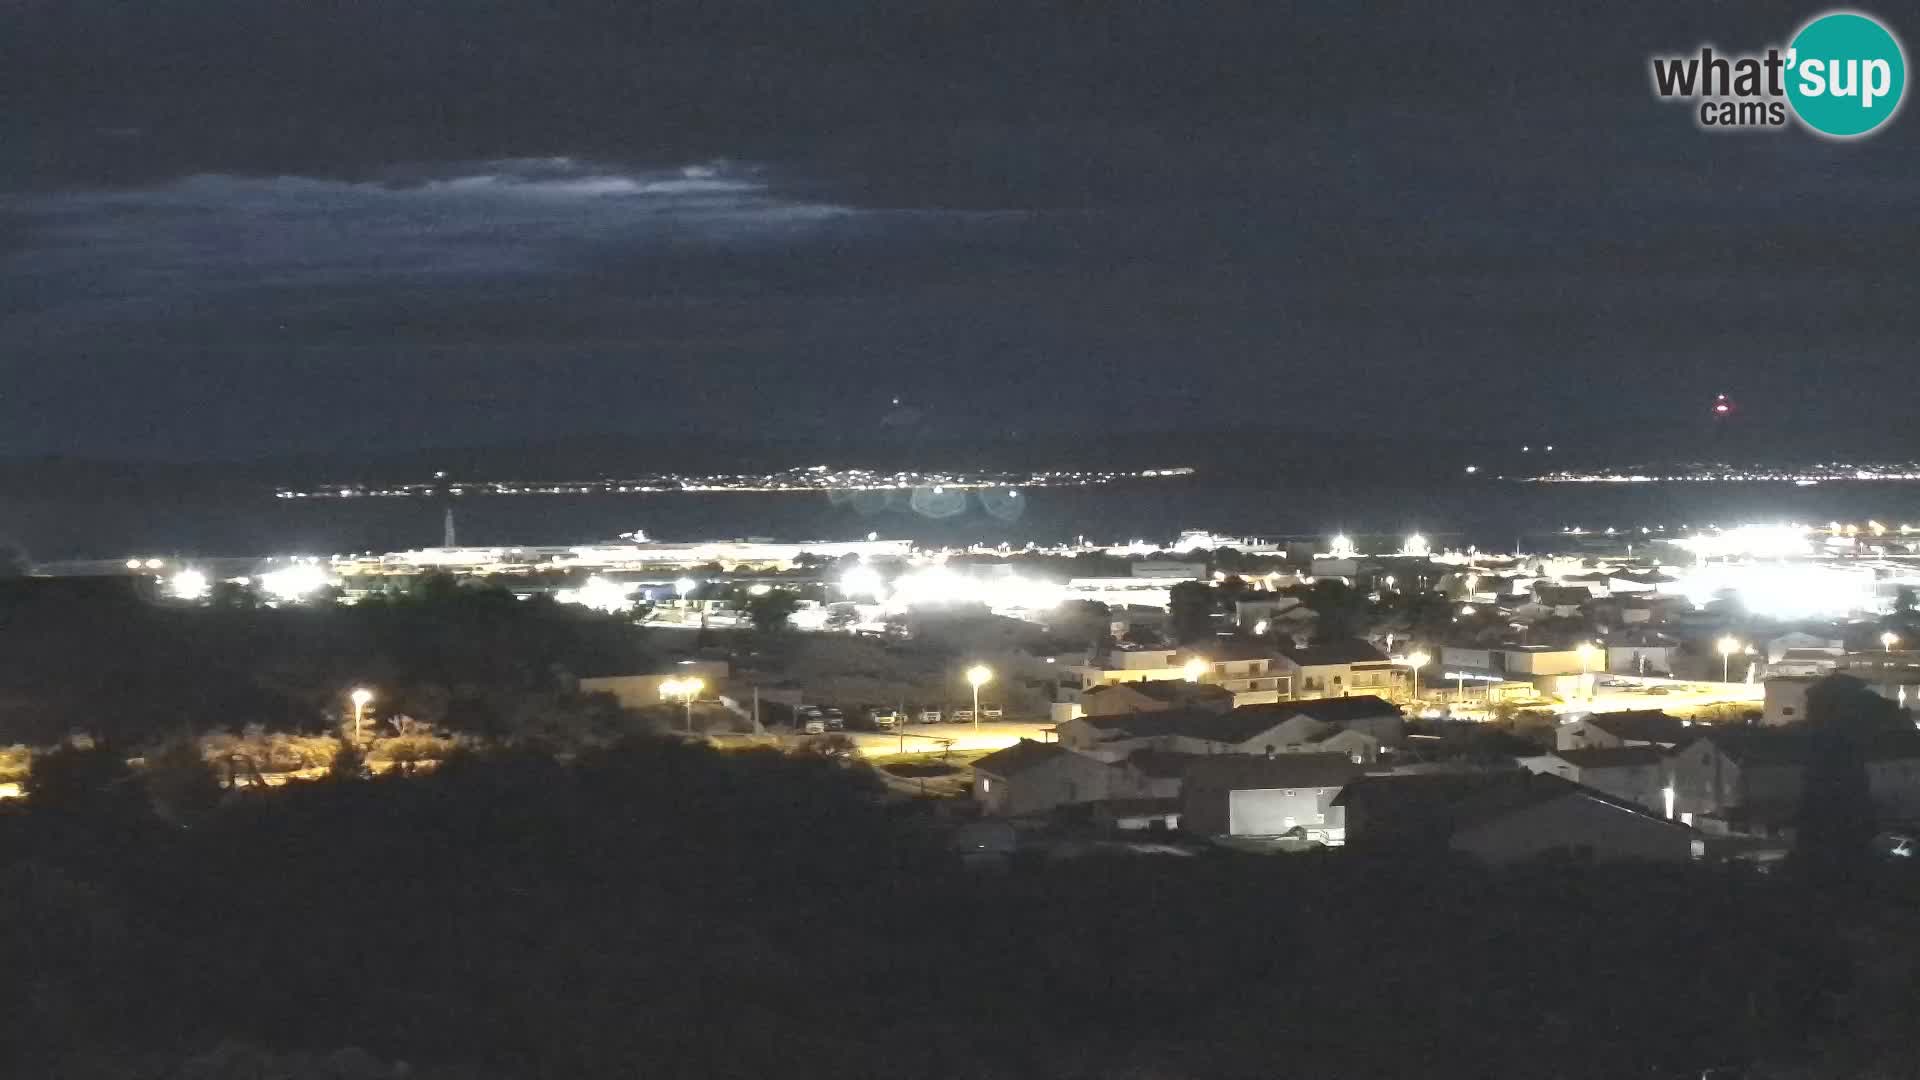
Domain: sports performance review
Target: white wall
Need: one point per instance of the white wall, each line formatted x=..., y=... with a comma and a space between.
x=1271, y=811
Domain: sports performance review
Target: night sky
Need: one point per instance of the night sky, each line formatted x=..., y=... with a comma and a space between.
x=232, y=229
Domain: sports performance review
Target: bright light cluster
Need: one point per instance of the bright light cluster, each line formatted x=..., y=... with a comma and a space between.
x=1796, y=590
x=291, y=584
x=938, y=586
x=189, y=584
x=599, y=594
x=1751, y=541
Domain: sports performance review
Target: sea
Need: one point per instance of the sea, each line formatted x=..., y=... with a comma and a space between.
x=1492, y=515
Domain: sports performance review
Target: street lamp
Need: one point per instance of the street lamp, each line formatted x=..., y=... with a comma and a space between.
x=686, y=690
x=1888, y=640
x=977, y=676
x=360, y=697
x=1416, y=661
x=1727, y=646
x=1586, y=649
x=1195, y=667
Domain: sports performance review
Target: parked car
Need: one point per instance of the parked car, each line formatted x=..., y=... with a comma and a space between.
x=990, y=712
x=929, y=716
x=812, y=725
x=836, y=720
x=963, y=716
x=884, y=719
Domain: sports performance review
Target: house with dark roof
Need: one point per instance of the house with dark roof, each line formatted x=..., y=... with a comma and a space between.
x=1114, y=699
x=1500, y=818
x=1338, y=669
x=1562, y=601
x=1634, y=727
x=1367, y=713
x=1636, y=774
x=1251, y=796
x=1754, y=776
x=1032, y=777
x=1346, y=726
x=1150, y=774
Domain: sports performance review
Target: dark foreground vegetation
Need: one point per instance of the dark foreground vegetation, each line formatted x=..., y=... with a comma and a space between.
x=654, y=908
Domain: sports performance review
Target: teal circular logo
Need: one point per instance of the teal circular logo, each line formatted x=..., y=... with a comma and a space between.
x=1846, y=74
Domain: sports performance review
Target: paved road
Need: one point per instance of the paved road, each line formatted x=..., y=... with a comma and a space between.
x=1677, y=696
x=925, y=738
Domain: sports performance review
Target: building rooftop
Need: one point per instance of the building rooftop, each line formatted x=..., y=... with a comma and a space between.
x=1238, y=725
x=1642, y=725
x=1336, y=652
x=1018, y=758
x=1248, y=772
x=1432, y=807
x=1336, y=711
x=1610, y=757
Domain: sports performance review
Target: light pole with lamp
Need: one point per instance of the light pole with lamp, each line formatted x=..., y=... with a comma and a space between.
x=361, y=698
x=1586, y=650
x=1727, y=646
x=685, y=689
x=977, y=676
x=1888, y=640
x=1416, y=661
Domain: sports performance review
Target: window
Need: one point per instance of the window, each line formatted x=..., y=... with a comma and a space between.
x=986, y=784
x=1787, y=711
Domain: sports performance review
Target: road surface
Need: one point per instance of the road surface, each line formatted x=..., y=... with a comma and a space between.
x=928, y=738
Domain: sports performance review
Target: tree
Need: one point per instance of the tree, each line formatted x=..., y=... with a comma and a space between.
x=1190, y=611
x=1341, y=608
x=79, y=778
x=1837, y=816
x=179, y=782
x=232, y=594
x=770, y=611
x=1083, y=621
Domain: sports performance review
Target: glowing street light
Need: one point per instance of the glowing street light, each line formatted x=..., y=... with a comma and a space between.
x=686, y=690
x=1587, y=650
x=1415, y=661
x=978, y=676
x=1195, y=667
x=685, y=585
x=1727, y=647
x=1888, y=640
x=361, y=698
x=189, y=584
x=1260, y=628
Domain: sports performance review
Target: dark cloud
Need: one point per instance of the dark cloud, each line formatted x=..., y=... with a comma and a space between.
x=439, y=221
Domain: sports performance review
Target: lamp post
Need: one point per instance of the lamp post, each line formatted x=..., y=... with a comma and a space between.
x=1727, y=646
x=686, y=690
x=1586, y=650
x=1416, y=661
x=361, y=697
x=977, y=676
x=1888, y=640
x=1195, y=667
